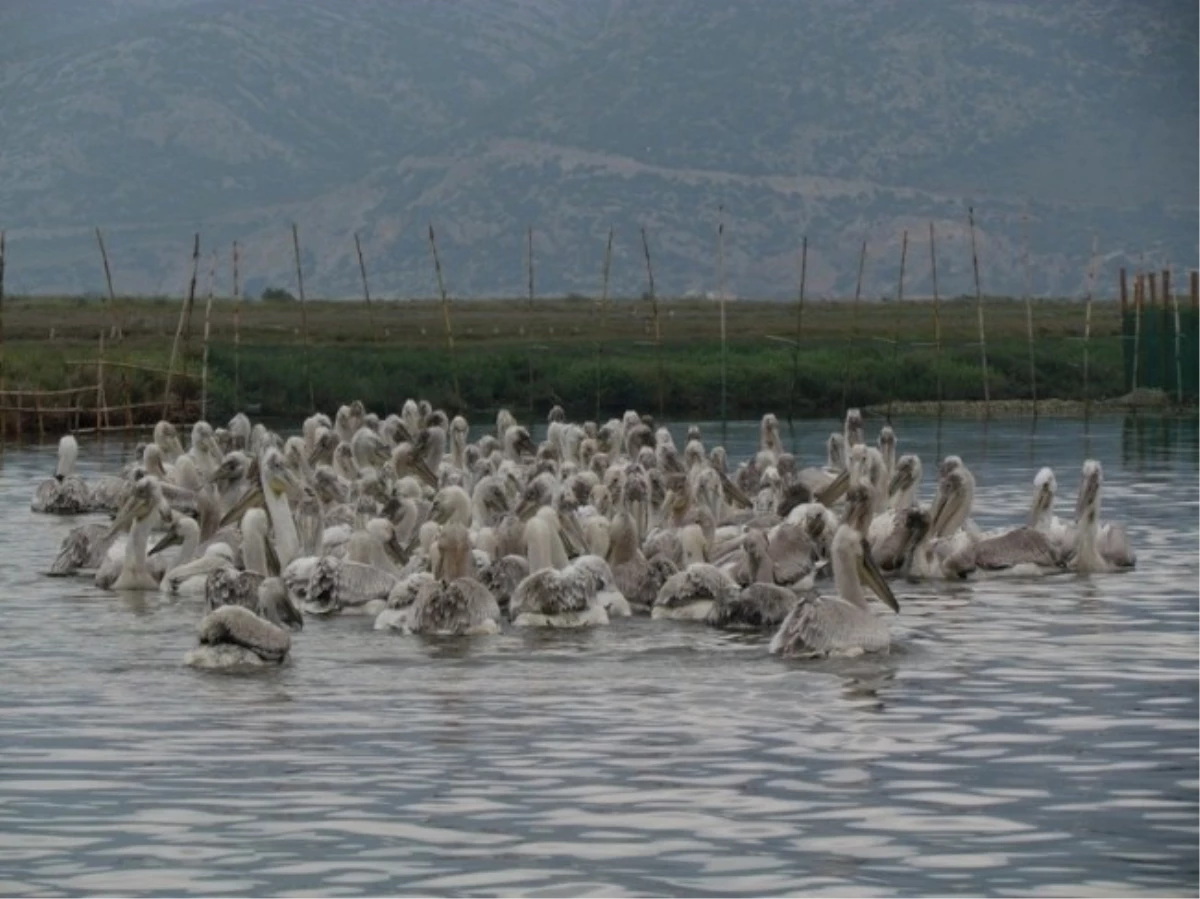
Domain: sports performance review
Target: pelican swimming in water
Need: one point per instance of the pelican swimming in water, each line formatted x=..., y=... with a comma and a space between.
x=454, y=603
x=1098, y=548
x=65, y=493
x=234, y=636
x=141, y=511
x=842, y=624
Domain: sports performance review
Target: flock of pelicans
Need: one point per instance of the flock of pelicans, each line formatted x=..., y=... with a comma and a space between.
x=405, y=520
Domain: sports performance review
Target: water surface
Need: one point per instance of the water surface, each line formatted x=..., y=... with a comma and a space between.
x=1022, y=738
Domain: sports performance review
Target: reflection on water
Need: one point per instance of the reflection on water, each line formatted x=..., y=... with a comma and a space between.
x=1023, y=737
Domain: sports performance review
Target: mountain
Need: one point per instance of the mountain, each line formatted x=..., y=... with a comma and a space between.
x=1061, y=125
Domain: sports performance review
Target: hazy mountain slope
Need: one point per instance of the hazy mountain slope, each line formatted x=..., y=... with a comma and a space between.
x=155, y=118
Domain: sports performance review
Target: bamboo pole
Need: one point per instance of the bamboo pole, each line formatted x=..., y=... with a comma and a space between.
x=529, y=350
x=112, y=297
x=1029, y=313
x=937, y=320
x=721, y=301
x=212, y=277
x=603, y=315
x=237, y=334
x=1195, y=285
x=179, y=327
x=362, y=270
x=657, y=324
x=1087, y=332
x=1174, y=299
x=437, y=267
x=100, y=403
x=1138, y=299
x=987, y=393
x=862, y=261
x=896, y=320
x=799, y=327
x=312, y=401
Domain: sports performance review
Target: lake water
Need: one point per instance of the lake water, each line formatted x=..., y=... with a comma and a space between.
x=1021, y=738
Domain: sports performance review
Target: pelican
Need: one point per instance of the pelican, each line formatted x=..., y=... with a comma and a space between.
x=454, y=603
x=842, y=624
x=552, y=598
x=1098, y=548
x=144, y=506
x=83, y=549
x=691, y=594
x=236, y=637
x=65, y=493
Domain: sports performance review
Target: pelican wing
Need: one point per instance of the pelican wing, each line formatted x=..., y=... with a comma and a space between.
x=357, y=583
x=108, y=493
x=452, y=608
x=1021, y=545
x=83, y=548
x=239, y=626
x=549, y=592
x=756, y=607
x=502, y=576
x=695, y=583
x=822, y=625
x=229, y=587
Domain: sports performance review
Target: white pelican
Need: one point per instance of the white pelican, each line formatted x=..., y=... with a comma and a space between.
x=65, y=493
x=841, y=624
x=691, y=594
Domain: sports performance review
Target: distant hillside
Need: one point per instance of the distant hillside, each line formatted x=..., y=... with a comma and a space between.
x=157, y=118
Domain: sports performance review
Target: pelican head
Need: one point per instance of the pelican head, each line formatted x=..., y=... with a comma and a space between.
x=769, y=435
x=239, y=432
x=852, y=561
x=180, y=529
x=1087, y=506
x=1045, y=487
x=144, y=500
x=956, y=493
x=68, y=452
x=450, y=505
x=454, y=554
x=167, y=440
x=276, y=606
x=906, y=478
x=835, y=449
x=276, y=476
x=854, y=427
x=858, y=508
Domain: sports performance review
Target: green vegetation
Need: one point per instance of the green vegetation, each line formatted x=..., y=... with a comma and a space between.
x=564, y=351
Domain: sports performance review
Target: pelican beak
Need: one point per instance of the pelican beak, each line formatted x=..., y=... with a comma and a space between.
x=834, y=491
x=282, y=480
x=733, y=493
x=171, y=538
x=943, y=509
x=1041, y=504
x=871, y=576
x=438, y=513
x=1088, y=491
x=572, y=535
x=901, y=480
x=273, y=566
x=251, y=499
x=527, y=507
x=525, y=445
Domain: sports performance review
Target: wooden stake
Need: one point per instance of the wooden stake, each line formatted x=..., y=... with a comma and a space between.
x=212, y=277
x=237, y=334
x=437, y=267
x=112, y=297
x=721, y=301
x=362, y=270
x=1138, y=299
x=1195, y=286
x=799, y=327
x=1124, y=286
x=896, y=320
x=1087, y=332
x=657, y=324
x=603, y=316
x=987, y=394
x=937, y=320
x=1029, y=314
x=1174, y=300
x=529, y=323
x=179, y=327
x=862, y=261
x=312, y=401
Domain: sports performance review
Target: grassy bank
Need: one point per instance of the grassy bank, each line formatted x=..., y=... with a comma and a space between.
x=508, y=355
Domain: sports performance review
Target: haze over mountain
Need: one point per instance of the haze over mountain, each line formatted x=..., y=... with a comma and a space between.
x=156, y=118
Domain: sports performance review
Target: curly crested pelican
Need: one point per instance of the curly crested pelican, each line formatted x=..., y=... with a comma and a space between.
x=1098, y=548
x=65, y=493
x=454, y=603
x=691, y=594
x=234, y=636
x=144, y=506
x=842, y=624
